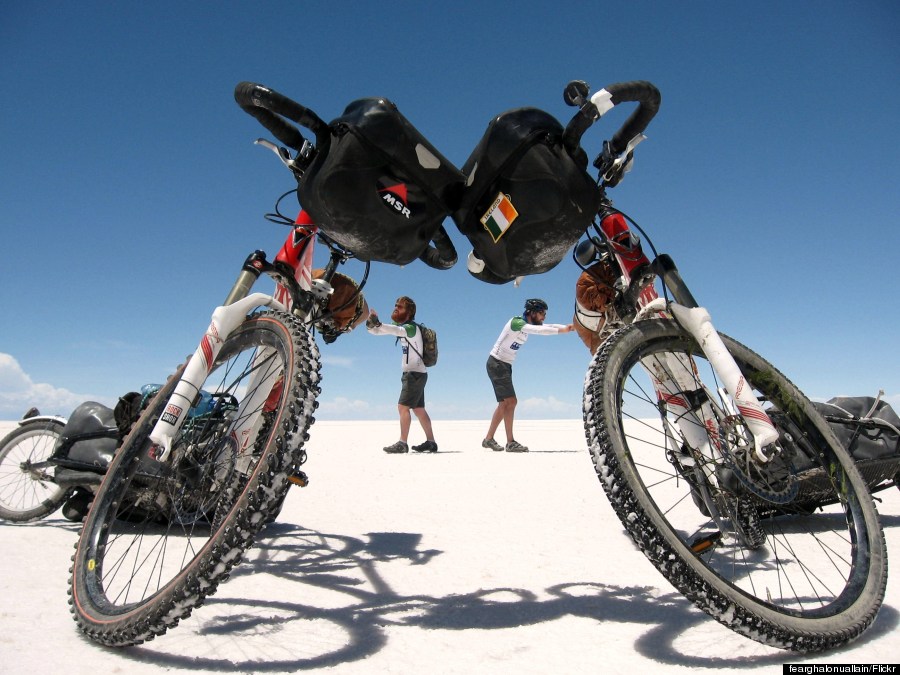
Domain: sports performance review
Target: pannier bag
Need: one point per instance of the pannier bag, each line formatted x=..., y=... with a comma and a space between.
x=868, y=428
x=527, y=201
x=89, y=439
x=379, y=188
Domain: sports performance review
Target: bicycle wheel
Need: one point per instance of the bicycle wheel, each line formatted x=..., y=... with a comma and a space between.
x=27, y=490
x=788, y=552
x=161, y=537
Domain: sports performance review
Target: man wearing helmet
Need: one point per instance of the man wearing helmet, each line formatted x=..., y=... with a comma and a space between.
x=415, y=374
x=499, y=368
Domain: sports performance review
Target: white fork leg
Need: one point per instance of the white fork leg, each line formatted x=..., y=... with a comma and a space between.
x=262, y=381
x=698, y=323
x=675, y=379
x=225, y=319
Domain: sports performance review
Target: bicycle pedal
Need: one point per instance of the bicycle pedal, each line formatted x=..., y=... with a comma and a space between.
x=703, y=544
x=299, y=478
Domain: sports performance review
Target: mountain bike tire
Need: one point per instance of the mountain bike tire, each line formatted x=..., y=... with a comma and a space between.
x=160, y=537
x=803, y=567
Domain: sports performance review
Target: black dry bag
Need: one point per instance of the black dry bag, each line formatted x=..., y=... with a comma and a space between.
x=527, y=201
x=379, y=188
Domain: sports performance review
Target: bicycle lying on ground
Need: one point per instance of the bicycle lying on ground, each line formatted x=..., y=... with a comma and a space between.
x=721, y=470
x=50, y=462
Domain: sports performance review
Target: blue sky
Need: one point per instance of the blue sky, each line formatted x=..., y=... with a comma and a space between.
x=131, y=192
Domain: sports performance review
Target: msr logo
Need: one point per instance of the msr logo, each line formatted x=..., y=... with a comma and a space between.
x=394, y=195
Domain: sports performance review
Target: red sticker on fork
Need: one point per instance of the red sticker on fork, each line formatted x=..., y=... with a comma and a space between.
x=171, y=414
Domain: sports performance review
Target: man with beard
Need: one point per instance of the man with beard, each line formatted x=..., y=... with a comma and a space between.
x=499, y=368
x=414, y=373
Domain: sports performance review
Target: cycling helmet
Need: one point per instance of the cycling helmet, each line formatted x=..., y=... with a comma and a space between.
x=535, y=305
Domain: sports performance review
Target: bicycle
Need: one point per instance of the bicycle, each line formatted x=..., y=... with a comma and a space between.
x=28, y=491
x=749, y=465
x=723, y=473
x=50, y=462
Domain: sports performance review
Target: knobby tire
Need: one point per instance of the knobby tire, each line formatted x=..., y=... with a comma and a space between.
x=802, y=563
x=160, y=538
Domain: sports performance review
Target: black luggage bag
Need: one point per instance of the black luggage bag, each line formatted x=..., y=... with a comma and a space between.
x=379, y=188
x=870, y=431
x=527, y=200
x=89, y=439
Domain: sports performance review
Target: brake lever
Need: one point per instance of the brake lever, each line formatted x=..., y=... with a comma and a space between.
x=303, y=154
x=622, y=163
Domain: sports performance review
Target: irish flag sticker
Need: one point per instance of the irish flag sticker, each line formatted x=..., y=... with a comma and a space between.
x=499, y=216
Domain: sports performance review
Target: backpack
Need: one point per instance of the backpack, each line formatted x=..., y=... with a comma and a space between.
x=429, y=344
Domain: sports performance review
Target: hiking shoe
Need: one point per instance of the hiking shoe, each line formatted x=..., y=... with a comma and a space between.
x=427, y=446
x=397, y=448
x=515, y=446
x=492, y=444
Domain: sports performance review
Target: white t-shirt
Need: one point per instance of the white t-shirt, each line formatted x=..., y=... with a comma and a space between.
x=409, y=334
x=515, y=333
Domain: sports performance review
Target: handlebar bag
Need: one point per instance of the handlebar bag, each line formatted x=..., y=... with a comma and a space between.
x=379, y=188
x=527, y=201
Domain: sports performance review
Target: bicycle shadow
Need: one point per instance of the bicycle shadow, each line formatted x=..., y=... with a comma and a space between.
x=354, y=625
x=52, y=522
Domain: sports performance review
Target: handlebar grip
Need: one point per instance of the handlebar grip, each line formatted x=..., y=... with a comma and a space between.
x=442, y=255
x=640, y=91
x=648, y=97
x=269, y=107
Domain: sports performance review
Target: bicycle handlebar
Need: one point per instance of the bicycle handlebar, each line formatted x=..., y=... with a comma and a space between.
x=272, y=109
x=642, y=92
x=276, y=112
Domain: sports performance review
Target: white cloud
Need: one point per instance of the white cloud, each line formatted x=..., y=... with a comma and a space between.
x=342, y=408
x=550, y=406
x=337, y=361
x=12, y=379
x=18, y=393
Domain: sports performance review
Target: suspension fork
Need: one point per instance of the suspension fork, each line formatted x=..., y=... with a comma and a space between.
x=690, y=418
x=225, y=319
x=295, y=260
x=697, y=321
x=675, y=382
